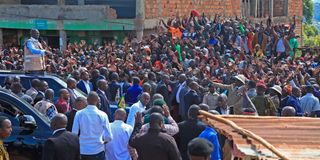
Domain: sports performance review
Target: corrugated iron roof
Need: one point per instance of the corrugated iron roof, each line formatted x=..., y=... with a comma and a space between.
x=297, y=138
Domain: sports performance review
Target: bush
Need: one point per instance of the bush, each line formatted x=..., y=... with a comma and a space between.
x=310, y=35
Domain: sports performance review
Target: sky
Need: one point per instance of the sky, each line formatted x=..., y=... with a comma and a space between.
x=318, y=1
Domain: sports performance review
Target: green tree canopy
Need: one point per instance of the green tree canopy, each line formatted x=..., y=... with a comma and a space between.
x=308, y=9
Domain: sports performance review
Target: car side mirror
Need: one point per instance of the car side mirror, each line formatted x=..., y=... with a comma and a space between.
x=28, y=122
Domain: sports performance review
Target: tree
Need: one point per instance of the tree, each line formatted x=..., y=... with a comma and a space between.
x=308, y=9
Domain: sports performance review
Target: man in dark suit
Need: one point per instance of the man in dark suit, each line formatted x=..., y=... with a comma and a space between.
x=191, y=97
x=84, y=84
x=63, y=145
x=164, y=88
x=104, y=102
x=71, y=85
x=175, y=96
x=95, y=76
x=184, y=90
x=80, y=103
x=189, y=129
x=152, y=78
x=114, y=87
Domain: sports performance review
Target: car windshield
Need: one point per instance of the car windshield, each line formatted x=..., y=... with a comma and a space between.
x=77, y=92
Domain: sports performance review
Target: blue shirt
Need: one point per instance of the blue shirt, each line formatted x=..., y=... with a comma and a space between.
x=211, y=135
x=133, y=93
x=296, y=104
x=33, y=49
x=309, y=103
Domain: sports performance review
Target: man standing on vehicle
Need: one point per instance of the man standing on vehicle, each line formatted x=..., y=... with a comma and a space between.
x=34, y=53
x=5, y=131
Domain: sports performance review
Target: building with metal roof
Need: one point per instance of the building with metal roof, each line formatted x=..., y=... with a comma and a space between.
x=292, y=138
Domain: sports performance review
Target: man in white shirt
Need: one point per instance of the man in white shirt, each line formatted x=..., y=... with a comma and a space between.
x=117, y=148
x=309, y=103
x=138, y=107
x=93, y=128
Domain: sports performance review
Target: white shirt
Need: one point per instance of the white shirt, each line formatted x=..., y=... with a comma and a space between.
x=94, y=128
x=117, y=148
x=86, y=84
x=57, y=130
x=225, y=111
x=137, y=107
x=178, y=92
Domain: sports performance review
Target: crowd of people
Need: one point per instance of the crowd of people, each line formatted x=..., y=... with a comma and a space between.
x=223, y=66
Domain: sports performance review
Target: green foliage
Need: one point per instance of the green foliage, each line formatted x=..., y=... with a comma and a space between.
x=308, y=10
x=310, y=35
x=310, y=30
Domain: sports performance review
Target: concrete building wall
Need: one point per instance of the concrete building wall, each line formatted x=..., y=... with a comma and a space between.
x=55, y=12
x=10, y=1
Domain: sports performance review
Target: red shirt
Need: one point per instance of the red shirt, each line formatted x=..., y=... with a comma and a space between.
x=62, y=106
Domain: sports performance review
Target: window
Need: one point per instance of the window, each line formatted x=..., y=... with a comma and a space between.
x=11, y=112
x=264, y=8
x=280, y=8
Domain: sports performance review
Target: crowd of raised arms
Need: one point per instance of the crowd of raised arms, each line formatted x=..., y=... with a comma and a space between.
x=221, y=65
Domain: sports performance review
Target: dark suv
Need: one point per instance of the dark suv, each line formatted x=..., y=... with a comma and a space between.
x=30, y=128
x=53, y=81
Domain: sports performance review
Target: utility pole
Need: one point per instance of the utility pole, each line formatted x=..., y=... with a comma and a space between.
x=140, y=17
x=271, y=8
x=62, y=32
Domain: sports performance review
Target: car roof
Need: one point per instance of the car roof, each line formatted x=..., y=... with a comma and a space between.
x=24, y=74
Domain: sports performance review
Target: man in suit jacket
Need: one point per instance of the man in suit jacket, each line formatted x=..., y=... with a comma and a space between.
x=175, y=98
x=189, y=129
x=114, y=87
x=84, y=84
x=164, y=89
x=152, y=78
x=184, y=90
x=104, y=102
x=71, y=85
x=63, y=145
x=191, y=97
x=95, y=76
x=80, y=103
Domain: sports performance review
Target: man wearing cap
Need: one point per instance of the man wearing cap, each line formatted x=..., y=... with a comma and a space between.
x=200, y=148
x=235, y=92
x=263, y=103
x=34, y=53
x=211, y=98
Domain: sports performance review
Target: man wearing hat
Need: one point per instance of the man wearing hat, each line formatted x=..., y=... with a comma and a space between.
x=275, y=95
x=235, y=92
x=262, y=102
